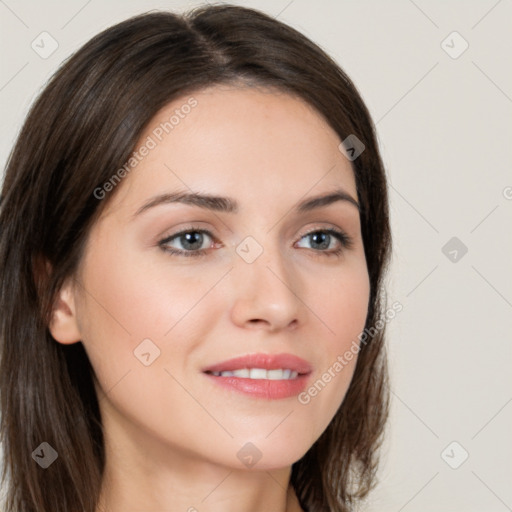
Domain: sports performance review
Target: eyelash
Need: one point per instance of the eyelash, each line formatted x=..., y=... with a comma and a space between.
x=346, y=242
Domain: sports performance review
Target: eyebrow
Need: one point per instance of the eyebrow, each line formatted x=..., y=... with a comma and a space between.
x=229, y=205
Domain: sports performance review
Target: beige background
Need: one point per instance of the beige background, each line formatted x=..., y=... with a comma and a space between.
x=445, y=131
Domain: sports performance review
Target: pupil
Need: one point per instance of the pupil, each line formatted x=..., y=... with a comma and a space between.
x=322, y=238
x=191, y=239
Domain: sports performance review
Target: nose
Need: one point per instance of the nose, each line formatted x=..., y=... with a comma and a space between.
x=266, y=293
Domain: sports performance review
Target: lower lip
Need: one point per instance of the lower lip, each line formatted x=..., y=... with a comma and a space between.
x=263, y=388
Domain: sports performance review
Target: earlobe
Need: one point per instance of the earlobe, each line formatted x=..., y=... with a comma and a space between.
x=63, y=325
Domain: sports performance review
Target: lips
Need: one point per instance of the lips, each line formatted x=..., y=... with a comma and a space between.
x=263, y=361
x=265, y=380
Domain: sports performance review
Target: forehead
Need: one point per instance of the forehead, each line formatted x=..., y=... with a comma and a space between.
x=242, y=142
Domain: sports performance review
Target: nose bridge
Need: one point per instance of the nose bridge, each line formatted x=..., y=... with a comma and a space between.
x=266, y=287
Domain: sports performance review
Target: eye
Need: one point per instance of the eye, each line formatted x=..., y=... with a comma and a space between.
x=329, y=241
x=194, y=242
x=190, y=242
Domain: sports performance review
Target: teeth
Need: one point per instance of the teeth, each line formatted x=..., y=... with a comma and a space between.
x=245, y=373
x=259, y=373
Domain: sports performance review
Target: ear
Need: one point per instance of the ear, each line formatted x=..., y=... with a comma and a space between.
x=63, y=325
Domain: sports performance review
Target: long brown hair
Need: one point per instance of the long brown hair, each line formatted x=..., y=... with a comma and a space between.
x=82, y=128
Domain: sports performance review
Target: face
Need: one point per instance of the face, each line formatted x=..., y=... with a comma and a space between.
x=170, y=287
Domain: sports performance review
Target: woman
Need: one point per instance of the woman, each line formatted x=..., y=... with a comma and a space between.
x=194, y=231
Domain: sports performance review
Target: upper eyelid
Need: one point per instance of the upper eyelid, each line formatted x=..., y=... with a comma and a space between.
x=198, y=229
x=188, y=230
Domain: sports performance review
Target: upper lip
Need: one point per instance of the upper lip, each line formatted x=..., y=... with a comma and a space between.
x=265, y=361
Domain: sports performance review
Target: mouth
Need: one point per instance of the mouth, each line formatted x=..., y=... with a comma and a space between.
x=269, y=376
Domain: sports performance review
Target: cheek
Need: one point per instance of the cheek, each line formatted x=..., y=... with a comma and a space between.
x=127, y=296
x=115, y=312
x=342, y=307
x=127, y=301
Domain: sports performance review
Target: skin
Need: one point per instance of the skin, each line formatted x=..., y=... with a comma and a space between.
x=171, y=435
